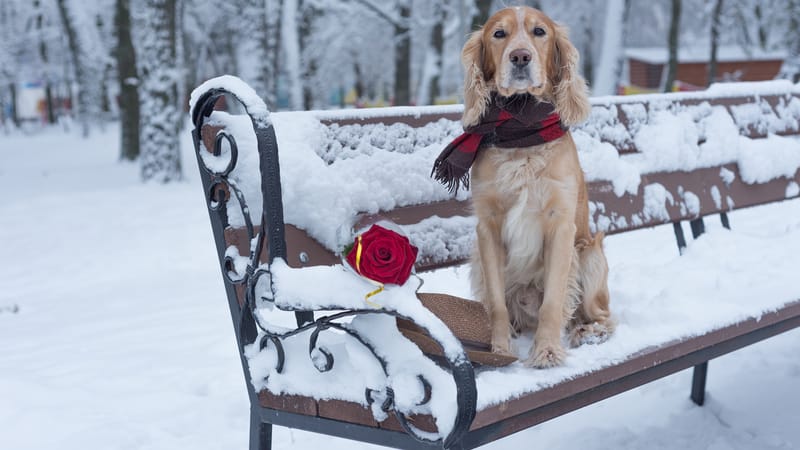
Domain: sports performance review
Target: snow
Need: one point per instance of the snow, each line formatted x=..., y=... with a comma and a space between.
x=252, y=102
x=792, y=190
x=291, y=47
x=700, y=54
x=330, y=173
x=656, y=197
x=122, y=333
x=762, y=160
x=612, y=40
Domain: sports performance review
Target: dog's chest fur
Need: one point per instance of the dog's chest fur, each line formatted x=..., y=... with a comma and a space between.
x=522, y=187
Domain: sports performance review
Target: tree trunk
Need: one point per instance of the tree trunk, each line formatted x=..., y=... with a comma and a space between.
x=607, y=76
x=81, y=75
x=715, y=26
x=790, y=69
x=428, y=88
x=276, y=48
x=674, y=28
x=586, y=51
x=14, y=116
x=48, y=96
x=128, y=80
x=44, y=55
x=268, y=47
x=484, y=8
x=437, y=45
x=308, y=14
x=763, y=36
x=291, y=46
x=402, y=56
x=359, y=84
x=161, y=119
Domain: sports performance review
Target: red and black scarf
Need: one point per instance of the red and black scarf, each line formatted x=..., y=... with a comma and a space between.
x=509, y=122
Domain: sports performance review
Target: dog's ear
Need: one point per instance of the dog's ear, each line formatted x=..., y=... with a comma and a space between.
x=570, y=92
x=476, y=93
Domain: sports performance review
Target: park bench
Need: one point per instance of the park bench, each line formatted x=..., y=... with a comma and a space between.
x=402, y=402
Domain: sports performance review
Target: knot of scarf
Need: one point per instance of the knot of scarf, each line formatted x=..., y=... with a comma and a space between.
x=509, y=122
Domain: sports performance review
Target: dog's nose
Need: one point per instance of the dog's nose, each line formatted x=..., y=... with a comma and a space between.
x=520, y=57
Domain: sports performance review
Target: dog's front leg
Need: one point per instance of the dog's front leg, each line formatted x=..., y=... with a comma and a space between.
x=492, y=260
x=548, y=350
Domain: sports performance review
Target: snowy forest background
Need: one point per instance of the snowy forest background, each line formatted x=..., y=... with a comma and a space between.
x=136, y=61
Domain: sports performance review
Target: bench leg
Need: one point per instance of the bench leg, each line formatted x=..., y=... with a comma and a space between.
x=260, y=433
x=679, y=237
x=699, y=383
x=723, y=217
x=698, y=227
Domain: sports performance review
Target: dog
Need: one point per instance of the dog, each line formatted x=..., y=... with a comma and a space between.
x=536, y=265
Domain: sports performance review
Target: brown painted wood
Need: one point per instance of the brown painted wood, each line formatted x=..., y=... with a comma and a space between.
x=645, y=366
x=585, y=385
x=414, y=121
x=700, y=182
x=531, y=409
x=347, y=412
x=424, y=422
x=292, y=403
x=303, y=250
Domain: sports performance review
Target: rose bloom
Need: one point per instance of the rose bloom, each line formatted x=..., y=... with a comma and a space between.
x=386, y=256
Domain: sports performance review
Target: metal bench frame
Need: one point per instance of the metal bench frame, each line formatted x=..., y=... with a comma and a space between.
x=471, y=430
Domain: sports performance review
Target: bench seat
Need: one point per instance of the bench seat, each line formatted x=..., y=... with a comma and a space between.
x=673, y=311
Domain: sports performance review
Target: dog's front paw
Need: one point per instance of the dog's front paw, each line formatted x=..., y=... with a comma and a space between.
x=592, y=333
x=546, y=355
x=501, y=343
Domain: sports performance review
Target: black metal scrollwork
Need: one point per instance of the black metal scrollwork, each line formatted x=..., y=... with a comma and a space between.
x=220, y=188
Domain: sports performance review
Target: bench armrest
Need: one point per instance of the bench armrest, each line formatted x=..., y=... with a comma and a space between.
x=249, y=279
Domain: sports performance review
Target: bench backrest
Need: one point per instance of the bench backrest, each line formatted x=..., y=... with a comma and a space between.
x=693, y=154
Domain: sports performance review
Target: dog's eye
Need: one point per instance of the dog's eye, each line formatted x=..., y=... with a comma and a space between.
x=539, y=31
x=499, y=34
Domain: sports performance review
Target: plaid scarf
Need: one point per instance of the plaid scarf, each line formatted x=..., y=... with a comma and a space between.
x=509, y=122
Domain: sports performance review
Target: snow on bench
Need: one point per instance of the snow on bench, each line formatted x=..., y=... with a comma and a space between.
x=649, y=160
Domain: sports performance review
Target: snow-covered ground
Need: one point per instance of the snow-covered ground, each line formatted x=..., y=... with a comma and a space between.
x=115, y=334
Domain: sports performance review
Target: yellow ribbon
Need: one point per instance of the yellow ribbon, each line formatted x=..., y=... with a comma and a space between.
x=358, y=269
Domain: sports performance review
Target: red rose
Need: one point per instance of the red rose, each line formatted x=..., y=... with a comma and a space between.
x=386, y=257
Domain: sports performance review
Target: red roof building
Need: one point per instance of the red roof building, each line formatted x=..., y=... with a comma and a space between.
x=646, y=68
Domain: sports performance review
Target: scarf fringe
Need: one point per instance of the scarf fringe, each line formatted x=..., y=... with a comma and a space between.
x=448, y=175
x=519, y=121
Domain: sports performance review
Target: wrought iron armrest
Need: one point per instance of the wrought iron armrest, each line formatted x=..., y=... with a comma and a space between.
x=219, y=187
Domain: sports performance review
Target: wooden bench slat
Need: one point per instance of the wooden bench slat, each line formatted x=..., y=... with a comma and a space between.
x=291, y=403
x=347, y=412
x=531, y=409
x=618, y=120
x=643, y=367
x=699, y=182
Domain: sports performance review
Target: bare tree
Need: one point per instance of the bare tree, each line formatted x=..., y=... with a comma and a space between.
x=161, y=118
x=790, y=69
x=309, y=13
x=716, y=16
x=401, y=23
x=433, y=66
x=609, y=69
x=290, y=40
x=673, y=41
x=128, y=80
x=270, y=49
x=402, y=56
x=44, y=54
x=88, y=57
x=483, y=8
x=81, y=71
